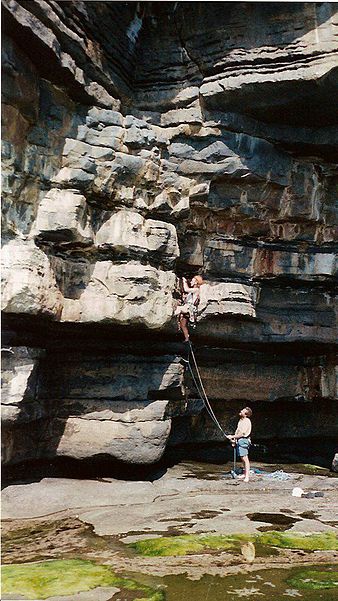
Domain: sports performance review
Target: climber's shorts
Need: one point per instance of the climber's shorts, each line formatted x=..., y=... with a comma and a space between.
x=188, y=309
x=242, y=446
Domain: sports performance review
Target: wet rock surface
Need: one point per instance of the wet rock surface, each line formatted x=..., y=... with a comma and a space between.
x=101, y=521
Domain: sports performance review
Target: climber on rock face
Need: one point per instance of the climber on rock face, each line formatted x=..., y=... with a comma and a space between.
x=187, y=312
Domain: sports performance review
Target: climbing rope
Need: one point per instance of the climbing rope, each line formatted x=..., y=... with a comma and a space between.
x=201, y=391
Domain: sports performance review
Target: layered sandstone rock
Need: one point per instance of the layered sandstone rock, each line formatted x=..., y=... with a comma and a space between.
x=142, y=142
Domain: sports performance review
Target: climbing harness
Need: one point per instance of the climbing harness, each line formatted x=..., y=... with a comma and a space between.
x=193, y=316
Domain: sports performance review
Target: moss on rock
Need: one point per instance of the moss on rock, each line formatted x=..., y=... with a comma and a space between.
x=66, y=577
x=185, y=544
x=311, y=579
x=321, y=541
x=197, y=543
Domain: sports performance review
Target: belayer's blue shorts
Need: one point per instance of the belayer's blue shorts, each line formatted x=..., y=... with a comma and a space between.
x=242, y=446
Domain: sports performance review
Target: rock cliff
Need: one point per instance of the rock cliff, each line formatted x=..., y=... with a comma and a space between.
x=143, y=141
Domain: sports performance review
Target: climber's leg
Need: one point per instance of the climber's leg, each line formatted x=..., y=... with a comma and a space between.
x=183, y=320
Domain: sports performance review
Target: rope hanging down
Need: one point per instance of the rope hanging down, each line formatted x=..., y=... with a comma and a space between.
x=201, y=391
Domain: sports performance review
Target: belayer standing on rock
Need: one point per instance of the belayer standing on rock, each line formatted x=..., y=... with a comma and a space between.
x=188, y=311
x=242, y=440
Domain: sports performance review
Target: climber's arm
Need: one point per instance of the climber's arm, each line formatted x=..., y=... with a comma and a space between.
x=186, y=286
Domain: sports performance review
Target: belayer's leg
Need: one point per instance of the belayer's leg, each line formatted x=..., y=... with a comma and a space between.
x=246, y=465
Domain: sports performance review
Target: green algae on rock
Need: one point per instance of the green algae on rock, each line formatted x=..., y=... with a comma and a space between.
x=185, y=544
x=196, y=543
x=67, y=577
x=320, y=541
x=315, y=579
x=314, y=469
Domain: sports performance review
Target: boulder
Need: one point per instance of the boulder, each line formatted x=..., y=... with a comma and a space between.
x=110, y=136
x=63, y=217
x=162, y=240
x=140, y=443
x=124, y=232
x=127, y=293
x=226, y=298
x=127, y=232
x=98, y=116
x=72, y=177
x=30, y=281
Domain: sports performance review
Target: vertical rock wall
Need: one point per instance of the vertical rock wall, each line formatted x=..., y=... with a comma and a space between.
x=147, y=140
